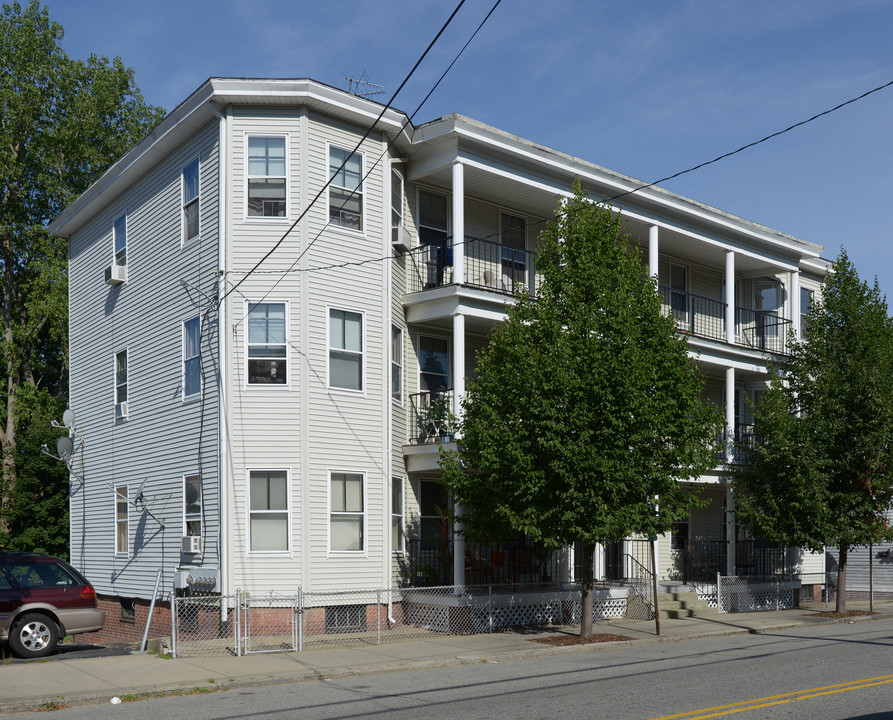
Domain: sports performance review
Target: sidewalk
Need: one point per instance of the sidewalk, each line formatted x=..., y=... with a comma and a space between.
x=82, y=681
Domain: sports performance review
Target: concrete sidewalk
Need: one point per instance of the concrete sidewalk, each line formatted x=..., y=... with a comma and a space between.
x=78, y=681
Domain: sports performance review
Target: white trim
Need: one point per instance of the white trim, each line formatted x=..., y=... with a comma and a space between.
x=399, y=401
x=402, y=480
x=125, y=411
x=364, y=552
x=193, y=396
x=268, y=219
x=272, y=387
x=116, y=488
x=330, y=224
x=449, y=353
x=201, y=502
x=196, y=200
x=363, y=353
x=115, y=239
x=288, y=552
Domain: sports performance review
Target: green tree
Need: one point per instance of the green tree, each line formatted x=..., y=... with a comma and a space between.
x=822, y=473
x=62, y=123
x=585, y=411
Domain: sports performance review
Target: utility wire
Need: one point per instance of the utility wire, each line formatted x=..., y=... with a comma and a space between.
x=344, y=163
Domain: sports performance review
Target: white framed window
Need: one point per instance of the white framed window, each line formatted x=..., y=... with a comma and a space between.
x=679, y=291
x=513, y=237
x=396, y=205
x=121, y=406
x=122, y=516
x=346, y=188
x=397, y=363
x=267, y=344
x=192, y=505
x=397, y=532
x=434, y=215
x=119, y=240
x=345, y=350
x=267, y=176
x=192, y=361
x=434, y=364
x=347, y=514
x=806, y=297
x=191, y=201
x=268, y=511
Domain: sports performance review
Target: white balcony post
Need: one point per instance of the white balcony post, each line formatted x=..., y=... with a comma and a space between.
x=730, y=413
x=731, y=538
x=653, y=252
x=458, y=394
x=730, y=297
x=795, y=303
x=458, y=223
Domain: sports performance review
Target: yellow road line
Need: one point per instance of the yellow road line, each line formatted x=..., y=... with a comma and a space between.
x=720, y=710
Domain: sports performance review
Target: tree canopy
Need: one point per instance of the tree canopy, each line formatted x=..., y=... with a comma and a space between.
x=821, y=473
x=585, y=412
x=62, y=123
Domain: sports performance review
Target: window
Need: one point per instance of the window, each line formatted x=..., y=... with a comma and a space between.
x=192, y=361
x=679, y=536
x=266, y=177
x=128, y=610
x=347, y=519
x=122, y=507
x=396, y=205
x=679, y=290
x=766, y=302
x=345, y=618
x=345, y=350
x=268, y=511
x=433, y=511
x=434, y=362
x=396, y=363
x=433, y=217
x=192, y=505
x=121, y=384
x=514, y=249
x=190, y=200
x=119, y=232
x=397, y=544
x=267, y=346
x=346, y=189
x=805, y=305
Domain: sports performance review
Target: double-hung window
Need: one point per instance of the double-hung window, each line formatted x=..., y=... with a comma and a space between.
x=121, y=384
x=396, y=363
x=805, y=305
x=119, y=232
x=266, y=176
x=396, y=206
x=434, y=362
x=190, y=201
x=345, y=349
x=192, y=505
x=122, y=511
x=397, y=542
x=348, y=517
x=267, y=344
x=346, y=188
x=268, y=510
x=192, y=361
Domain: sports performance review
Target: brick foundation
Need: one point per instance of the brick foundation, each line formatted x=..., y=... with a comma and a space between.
x=117, y=630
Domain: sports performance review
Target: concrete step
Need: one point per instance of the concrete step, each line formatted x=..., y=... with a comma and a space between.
x=683, y=604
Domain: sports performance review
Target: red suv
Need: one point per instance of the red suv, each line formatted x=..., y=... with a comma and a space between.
x=43, y=598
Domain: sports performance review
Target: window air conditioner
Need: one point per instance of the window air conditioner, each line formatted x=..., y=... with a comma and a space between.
x=115, y=274
x=400, y=238
x=121, y=410
x=191, y=544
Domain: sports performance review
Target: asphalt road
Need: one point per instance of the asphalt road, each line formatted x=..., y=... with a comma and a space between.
x=833, y=672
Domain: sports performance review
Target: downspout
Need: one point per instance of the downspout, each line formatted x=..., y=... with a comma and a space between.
x=222, y=429
x=389, y=450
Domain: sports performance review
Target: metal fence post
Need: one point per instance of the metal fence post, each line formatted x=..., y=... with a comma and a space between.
x=719, y=593
x=238, y=600
x=489, y=608
x=300, y=619
x=174, y=628
x=378, y=613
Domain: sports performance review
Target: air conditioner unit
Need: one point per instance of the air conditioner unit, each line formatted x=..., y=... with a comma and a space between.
x=191, y=544
x=121, y=409
x=400, y=238
x=115, y=274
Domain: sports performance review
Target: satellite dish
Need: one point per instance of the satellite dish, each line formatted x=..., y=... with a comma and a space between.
x=64, y=448
x=191, y=494
x=138, y=496
x=68, y=418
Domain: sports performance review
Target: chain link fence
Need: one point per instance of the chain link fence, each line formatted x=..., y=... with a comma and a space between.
x=761, y=594
x=251, y=623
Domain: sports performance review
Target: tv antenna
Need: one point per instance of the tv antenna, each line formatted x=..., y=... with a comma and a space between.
x=361, y=87
x=65, y=445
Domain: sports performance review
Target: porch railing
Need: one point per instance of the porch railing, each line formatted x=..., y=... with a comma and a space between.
x=701, y=560
x=431, y=417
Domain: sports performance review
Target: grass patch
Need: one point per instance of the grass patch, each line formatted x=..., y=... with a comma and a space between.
x=199, y=690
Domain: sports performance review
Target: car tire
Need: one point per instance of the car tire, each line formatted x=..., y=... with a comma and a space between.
x=33, y=635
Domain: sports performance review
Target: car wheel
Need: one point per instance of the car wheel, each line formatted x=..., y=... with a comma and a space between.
x=33, y=635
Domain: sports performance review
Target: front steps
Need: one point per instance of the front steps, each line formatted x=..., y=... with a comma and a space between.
x=683, y=604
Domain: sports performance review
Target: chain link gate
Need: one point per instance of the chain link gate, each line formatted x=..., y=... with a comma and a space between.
x=267, y=623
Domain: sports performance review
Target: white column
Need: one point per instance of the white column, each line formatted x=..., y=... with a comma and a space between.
x=458, y=394
x=652, y=252
x=458, y=223
x=730, y=297
x=731, y=539
x=795, y=303
x=730, y=411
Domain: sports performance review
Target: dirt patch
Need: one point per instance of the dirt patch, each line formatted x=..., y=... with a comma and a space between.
x=562, y=640
x=836, y=615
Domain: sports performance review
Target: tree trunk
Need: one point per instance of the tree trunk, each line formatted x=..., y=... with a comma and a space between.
x=841, y=581
x=587, y=583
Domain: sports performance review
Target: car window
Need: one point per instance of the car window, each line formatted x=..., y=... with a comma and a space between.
x=36, y=574
x=4, y=583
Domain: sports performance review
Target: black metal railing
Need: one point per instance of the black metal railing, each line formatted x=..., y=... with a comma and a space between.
x=431, y=417
x=762, y=558
x=702, y=560
x=761, y=329
x=430, y=562
x=488, y=265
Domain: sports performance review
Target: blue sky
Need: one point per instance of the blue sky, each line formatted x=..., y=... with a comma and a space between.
x=643, y=87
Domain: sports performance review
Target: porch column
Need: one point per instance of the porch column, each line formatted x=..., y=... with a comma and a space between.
x=458, y=223
x=652, y=252
x=730, y=297
x=730, y=413
x=795, y=303
x=731, y=539
x=458, y=394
